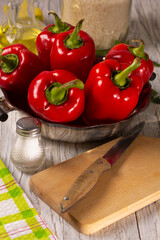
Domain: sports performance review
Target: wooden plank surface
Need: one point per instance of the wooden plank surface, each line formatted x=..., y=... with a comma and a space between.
x=131, y=184
x=144, y=224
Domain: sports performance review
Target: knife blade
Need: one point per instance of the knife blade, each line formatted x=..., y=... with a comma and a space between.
x=88, y=179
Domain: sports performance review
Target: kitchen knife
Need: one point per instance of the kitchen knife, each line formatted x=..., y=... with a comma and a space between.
x=87, y=180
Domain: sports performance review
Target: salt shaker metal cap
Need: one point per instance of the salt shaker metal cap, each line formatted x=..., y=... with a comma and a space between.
x=28, y=126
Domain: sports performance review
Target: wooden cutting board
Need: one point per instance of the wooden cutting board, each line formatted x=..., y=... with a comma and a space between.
x=131, y=184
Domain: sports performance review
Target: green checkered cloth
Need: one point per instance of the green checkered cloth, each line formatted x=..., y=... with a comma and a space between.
x=18, y=218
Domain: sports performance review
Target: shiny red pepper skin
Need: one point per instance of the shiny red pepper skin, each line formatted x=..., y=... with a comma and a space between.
x=79, y=61
x=47, y=37
x=121, y=52
x=105, y=102
x=68, y=111
x=28, y=67
x=44, y=43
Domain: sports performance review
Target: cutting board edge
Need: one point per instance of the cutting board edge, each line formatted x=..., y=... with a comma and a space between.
x=94, y=227
x=35, y=189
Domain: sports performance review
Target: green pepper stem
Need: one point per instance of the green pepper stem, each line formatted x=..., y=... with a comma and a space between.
x=57, y=93
x=74, y=40
x=9, y=62
x=139, y=51
x=121, y=78
x=59, y=25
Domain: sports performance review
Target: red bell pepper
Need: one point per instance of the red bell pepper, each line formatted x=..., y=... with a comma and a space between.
x=73, y=51
x=125, y=53
x=19, y=66
x=111, y=94
x=57, y=96
x=46, y=38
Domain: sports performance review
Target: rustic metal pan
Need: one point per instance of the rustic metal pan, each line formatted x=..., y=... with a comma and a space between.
x=76, y=131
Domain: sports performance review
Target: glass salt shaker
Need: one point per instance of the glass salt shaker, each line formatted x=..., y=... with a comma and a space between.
x=27, y=154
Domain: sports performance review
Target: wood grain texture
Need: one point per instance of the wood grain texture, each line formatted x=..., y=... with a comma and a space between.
x=132, y=183
x=144, y=224
x=85, y=182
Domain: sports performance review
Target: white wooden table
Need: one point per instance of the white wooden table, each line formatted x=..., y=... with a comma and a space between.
x=144, y=224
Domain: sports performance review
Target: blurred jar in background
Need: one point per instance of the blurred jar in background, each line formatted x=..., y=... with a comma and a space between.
x=105, y=20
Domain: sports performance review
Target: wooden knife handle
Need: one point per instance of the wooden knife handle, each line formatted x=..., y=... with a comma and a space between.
x=84, y=183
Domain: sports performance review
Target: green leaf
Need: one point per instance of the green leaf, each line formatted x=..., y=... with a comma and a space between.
x=102, y=53
x=154, y=98
x=116, y=42
x=156, y=64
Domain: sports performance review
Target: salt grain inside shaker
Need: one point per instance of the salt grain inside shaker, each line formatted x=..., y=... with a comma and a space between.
x=28, y=153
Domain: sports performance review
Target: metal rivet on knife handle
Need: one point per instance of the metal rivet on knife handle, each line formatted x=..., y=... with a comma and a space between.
x=100, y=162
x=66, y=198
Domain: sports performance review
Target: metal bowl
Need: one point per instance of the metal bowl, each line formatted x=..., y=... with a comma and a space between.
x=76, y=131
